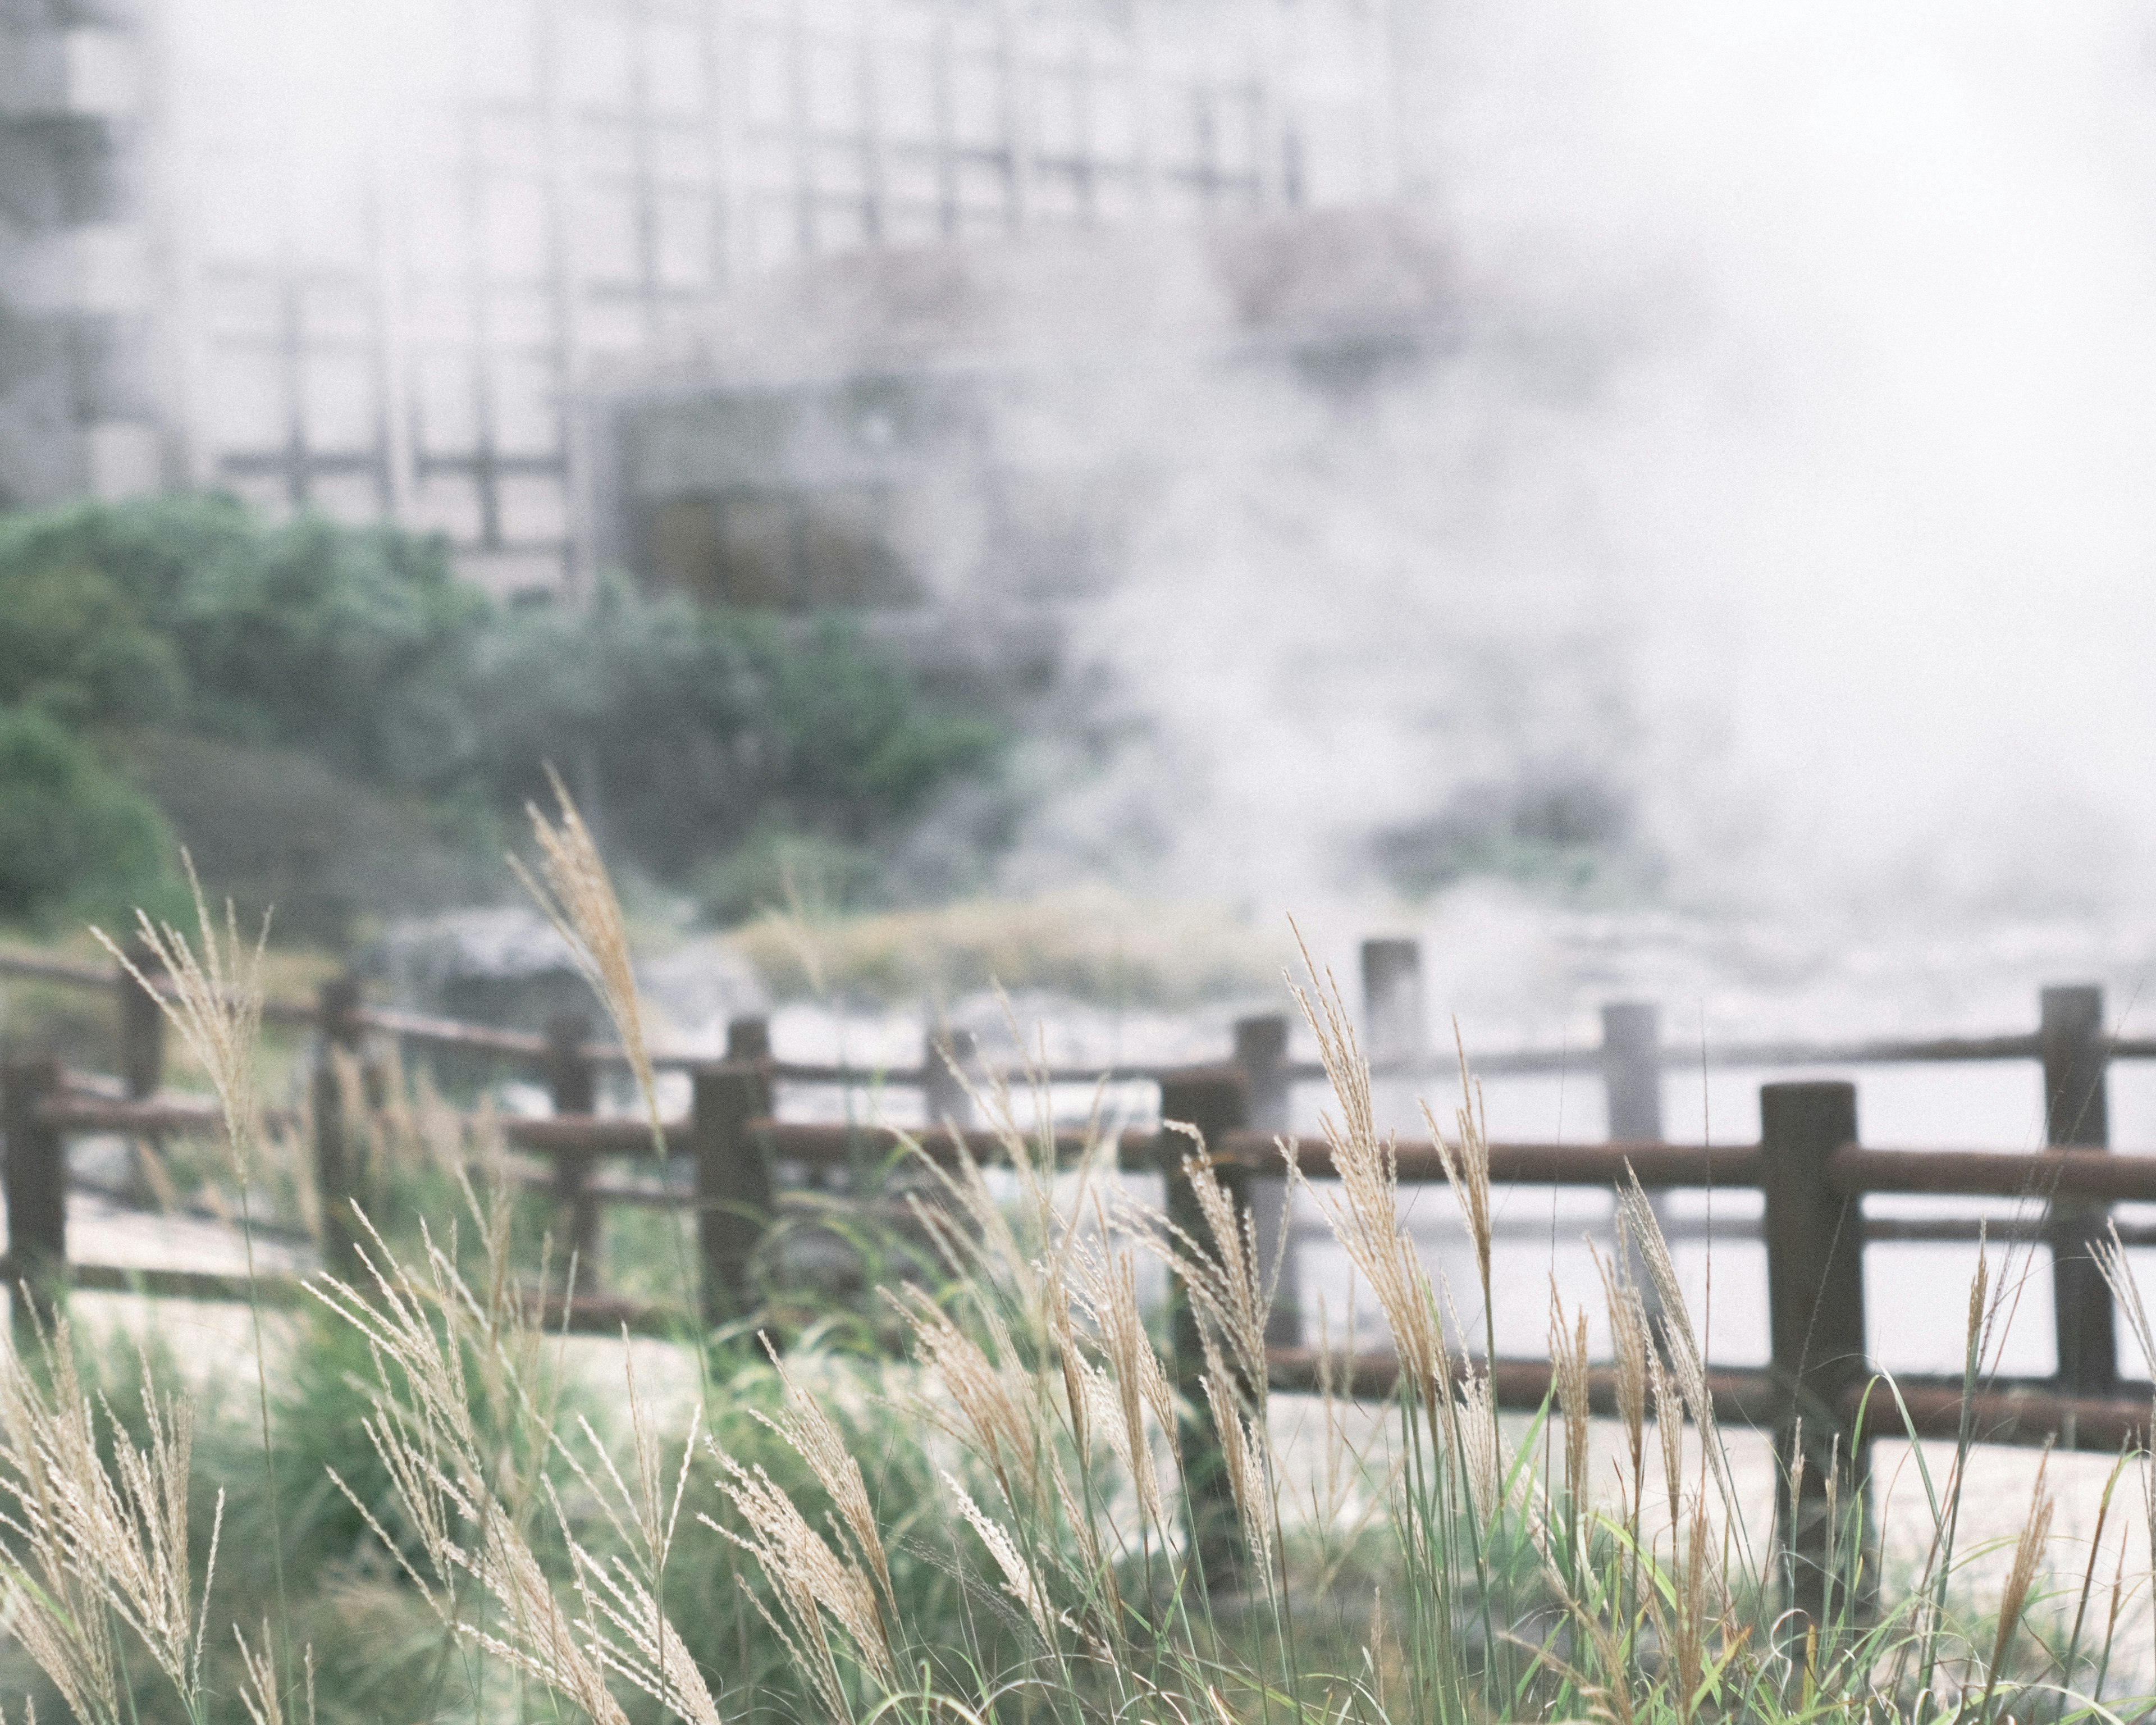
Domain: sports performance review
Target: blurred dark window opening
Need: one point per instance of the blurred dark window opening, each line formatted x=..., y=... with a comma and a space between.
x=814, y=551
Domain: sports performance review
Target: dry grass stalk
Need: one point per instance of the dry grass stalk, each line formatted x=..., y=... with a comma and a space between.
x=2117, y=1270
x=1247, y=1453
x=812, y=1435
x=576, y=893
x=1134, y=1381
x=1668, y=1429
x=982, y=1243
x=810, y=1578
x=1365, y=1217
x=628, y=1633
x=1687, y=1360
x=1693, y=1616
x=1224, y=1273
x=2028, y=1551
x=644, y=1519
x=260, y=1693
x=1481, y=1453
x=1019, y=1581
x=623, y=1620
x=90, y=1542
x=215, y=1003
x=995, y=1405
x=1630, y=1344
x=1467, y=1163
x=459, y=1491
x=1569, y=1362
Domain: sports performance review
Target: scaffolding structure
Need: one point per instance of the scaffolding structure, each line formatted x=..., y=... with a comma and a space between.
x=380, y=244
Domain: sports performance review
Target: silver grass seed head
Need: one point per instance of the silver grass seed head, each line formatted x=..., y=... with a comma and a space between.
x=576, y=894
x=2028, y=1552
x=214, y=1002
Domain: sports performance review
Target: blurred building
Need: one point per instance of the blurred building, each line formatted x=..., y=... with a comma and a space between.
x=77, y=406
x=365, y=256
x=979, y=427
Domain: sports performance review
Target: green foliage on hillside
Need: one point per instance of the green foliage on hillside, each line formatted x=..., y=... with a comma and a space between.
x=689, y=732
x=691, y=729
x=74, y=835
x=310, y=635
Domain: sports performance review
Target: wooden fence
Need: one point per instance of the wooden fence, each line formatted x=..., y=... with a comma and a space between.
x=1811, y=1165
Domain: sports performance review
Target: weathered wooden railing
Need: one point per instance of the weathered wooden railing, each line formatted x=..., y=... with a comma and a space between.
x=2069, y=1042
x=1810, y=1165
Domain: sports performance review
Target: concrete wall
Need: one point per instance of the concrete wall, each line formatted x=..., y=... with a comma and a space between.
x=78, y=407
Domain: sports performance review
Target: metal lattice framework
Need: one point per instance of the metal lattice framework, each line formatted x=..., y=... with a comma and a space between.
x=396, y=251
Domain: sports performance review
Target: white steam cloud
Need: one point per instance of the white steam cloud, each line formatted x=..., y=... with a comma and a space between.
x=1792, y=472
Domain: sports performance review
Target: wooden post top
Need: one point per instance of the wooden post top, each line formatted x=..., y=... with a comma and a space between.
x=748, y=1039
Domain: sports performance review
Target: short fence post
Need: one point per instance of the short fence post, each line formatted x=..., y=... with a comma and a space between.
x=1212, y=1099
x=748, y=1039
x=33, y=1179
x=1394, y=1022
x=1632, y=1071
x=943, y=1097
x=336, y=1157
x=1815, y=1319
x=573, y=1086
x=733, y=1183
x=141, y=1049
x=1262, y=1056
x=2076, y=1114
x=141, y=1023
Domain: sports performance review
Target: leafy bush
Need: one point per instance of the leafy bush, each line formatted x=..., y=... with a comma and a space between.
x=690, y=732
x=311, y=634
x=76, y=647
x=73, y=833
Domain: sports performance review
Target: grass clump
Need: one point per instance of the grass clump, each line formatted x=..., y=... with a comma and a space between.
x=1092, y=944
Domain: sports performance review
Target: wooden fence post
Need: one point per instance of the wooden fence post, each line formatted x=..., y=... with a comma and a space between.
x=733, y=1183
x=572, y=1086
x=141, y=1023
x=1262, y=1056
x=336, y=1173
x=33, y=1178
x=942, y=1097
x=748, y=1039
x=1394, y=1022
x=1632, y=1071
x=2076, y=1113
x=1212, y=1099
x=141, y=1052
x=1815, y=1318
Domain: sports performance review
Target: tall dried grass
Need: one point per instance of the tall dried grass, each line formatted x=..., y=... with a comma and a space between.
x=1052, y=1456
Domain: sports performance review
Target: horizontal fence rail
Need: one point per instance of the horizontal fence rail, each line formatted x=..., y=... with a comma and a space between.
x=1398, y=1040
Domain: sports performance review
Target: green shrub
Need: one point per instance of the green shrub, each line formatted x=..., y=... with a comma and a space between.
x=689, y=732
x=76, y=647
x=75, y=834
x=686, y=730
x=311, y=634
